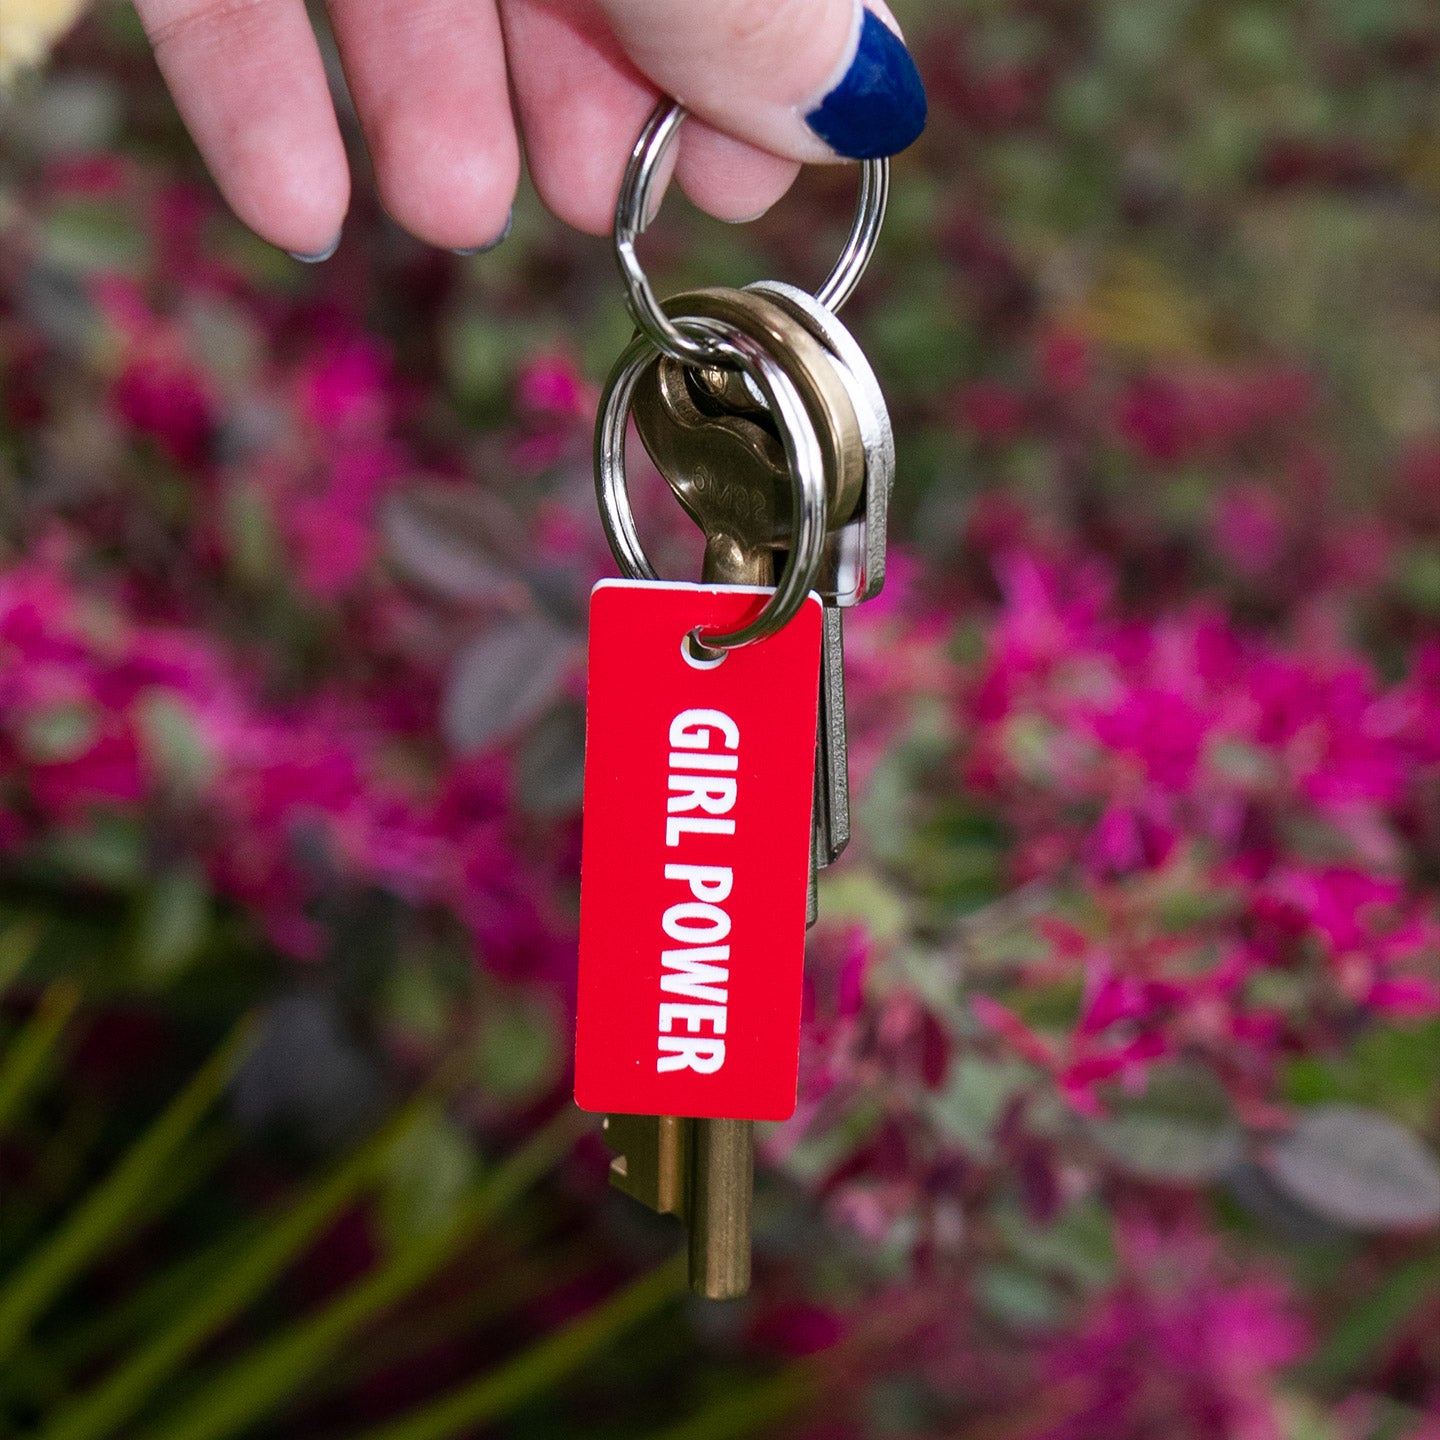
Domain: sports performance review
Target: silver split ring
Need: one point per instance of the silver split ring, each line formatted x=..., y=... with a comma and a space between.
x=632, y=215
x=802, y=453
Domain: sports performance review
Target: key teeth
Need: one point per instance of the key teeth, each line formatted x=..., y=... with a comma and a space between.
x=664, y=1160
x=650, y=1161
x=832, y=752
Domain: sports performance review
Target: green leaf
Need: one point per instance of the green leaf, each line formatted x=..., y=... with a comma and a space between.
x=175, y=744
x=1392, y=1069
x=172, y=922
x=259, y=1380
x=109, y=851
x=415, y=1001
x=27, y=1056
x=542, y=1365
x=1179, y=1131
x=89, y=237
x=228, y=1289
x=1417, y=573
x=1358, y=1168
x=550, y=772
x=975, y=1094
x=251, y=542
x=479, y=357
x=861, y=895
x=427, y=1175
x=1168, y=1148
x=18, y=944
x=1079, y=1246
x=518, y=1050
x=745, y=1410
x=1016, y=1296
x=110, y=1205
x=1368, y=1326
x=63, y=732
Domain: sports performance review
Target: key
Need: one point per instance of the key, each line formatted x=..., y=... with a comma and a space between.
x=711, y=438
x=721, y=404
x=703, y=1170
x=832, y=768
x=855, y=569
x=855, y=558
x=698, y=862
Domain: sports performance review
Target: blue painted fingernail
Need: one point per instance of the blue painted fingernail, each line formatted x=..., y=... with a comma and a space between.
x=318, y=256
x=878, y=108
x=490, y=245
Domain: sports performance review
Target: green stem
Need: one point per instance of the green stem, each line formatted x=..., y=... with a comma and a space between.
x=114, y=1201
x=233, y=1400
x=28, y=1054
x=499, y=1392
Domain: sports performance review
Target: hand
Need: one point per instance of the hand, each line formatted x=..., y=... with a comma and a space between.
x=769, y=83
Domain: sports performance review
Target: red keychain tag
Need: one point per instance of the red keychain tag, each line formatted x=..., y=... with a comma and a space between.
x=699, y=783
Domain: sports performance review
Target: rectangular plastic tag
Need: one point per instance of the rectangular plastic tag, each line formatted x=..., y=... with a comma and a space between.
x=699, y=784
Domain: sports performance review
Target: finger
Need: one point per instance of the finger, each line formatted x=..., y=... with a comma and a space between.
x=428, y=81
x=250, y=85
x=729, y=178
x=806, y=79
x=582, y=103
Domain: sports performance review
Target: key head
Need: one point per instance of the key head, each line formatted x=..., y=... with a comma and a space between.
x=730, y=476
x=712, y=437
x=853, y=568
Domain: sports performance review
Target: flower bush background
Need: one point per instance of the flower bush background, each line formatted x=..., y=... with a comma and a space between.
x=1122, y=1054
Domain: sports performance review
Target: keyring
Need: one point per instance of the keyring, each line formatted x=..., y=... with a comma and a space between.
x=802, y=454
x=632, y=215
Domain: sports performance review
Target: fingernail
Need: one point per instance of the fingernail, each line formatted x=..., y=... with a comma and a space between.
x=499, y=240
x=318, y=256
x=878, y=107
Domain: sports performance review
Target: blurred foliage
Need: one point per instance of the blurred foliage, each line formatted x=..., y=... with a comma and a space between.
x=1120, y=1083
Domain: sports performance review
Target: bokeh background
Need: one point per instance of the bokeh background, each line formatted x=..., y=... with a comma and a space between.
x=1121, y=1070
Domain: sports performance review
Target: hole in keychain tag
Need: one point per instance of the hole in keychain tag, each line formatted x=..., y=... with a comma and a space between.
x=697, y=656
x=699, y=786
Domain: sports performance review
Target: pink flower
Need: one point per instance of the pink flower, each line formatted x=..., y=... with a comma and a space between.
x=991, y=411
x=1250, y=530
x=553, y=385
x=345, y=388
x=165, y=397
x=1064, y=362
x=1178, y=1347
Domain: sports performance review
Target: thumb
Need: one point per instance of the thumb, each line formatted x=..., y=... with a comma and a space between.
x=806, y=79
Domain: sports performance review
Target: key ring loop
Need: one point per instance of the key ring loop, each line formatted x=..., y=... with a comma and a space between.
x=802, y=453
x=632, y=216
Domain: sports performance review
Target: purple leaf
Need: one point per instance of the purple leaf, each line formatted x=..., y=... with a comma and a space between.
x=504, y=680
x=1357, y=1168
x=551, y=768
x=463, y=545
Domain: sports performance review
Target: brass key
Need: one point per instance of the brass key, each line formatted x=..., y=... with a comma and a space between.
x=703, y=1170
x=722, y=405
x=712, y=438
x=713, y=441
